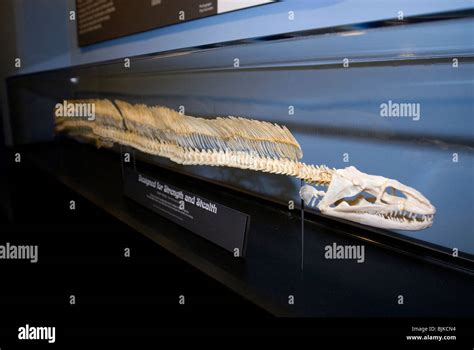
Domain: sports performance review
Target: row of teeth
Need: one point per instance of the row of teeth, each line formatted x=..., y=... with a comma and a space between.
x=403, y=215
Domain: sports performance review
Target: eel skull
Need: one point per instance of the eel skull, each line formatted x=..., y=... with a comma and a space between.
x=371, y=200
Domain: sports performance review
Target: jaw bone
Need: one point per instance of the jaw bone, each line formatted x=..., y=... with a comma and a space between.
x=371, y=200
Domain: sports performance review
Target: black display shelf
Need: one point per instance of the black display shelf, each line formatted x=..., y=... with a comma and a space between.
x=271, y=271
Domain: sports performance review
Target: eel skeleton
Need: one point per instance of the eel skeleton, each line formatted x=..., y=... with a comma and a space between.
x=255, y=145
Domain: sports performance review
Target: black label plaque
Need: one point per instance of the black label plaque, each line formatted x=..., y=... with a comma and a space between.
x=219, y=224
x=108, y=19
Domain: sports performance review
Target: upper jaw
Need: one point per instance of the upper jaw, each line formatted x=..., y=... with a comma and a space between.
x=414, y=202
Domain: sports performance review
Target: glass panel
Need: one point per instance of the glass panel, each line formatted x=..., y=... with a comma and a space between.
x=338, y=118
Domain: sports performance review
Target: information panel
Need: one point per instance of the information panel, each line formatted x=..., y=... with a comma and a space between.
x=219, y=224
x=99, y=20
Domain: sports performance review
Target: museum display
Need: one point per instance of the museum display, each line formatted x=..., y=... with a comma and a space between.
x=246, y=144
x=364, y=141
x=256, y=167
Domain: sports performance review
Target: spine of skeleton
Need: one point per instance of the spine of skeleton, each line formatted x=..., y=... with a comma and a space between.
x=229, y=142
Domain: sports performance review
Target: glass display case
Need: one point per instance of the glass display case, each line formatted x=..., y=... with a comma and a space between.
x=340, y=93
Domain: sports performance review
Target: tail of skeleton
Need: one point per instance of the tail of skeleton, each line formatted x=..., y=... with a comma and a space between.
x=253, y=145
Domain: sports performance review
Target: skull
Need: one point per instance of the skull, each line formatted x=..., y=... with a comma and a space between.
x=372, y=200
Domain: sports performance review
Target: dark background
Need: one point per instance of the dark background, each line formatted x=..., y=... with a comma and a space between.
x=81, y=252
